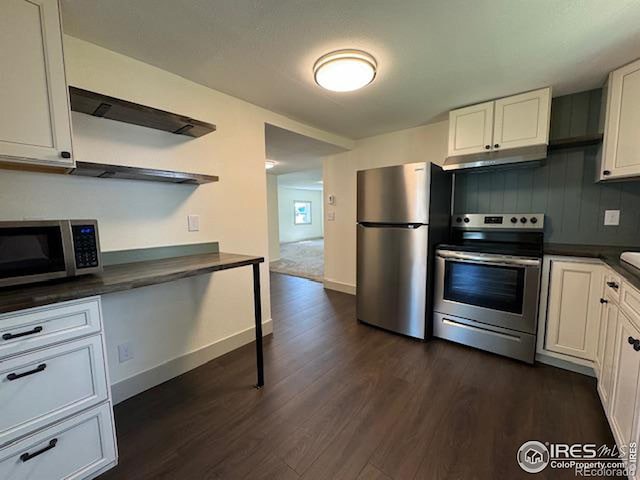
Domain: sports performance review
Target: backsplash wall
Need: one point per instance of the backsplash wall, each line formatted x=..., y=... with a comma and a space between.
x=563, y=187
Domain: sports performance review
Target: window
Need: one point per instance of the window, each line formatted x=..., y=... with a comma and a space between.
x=301, y=212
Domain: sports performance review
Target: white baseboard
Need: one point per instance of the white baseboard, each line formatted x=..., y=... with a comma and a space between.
x=564, y=364
x=339, y=286
x=142, y=381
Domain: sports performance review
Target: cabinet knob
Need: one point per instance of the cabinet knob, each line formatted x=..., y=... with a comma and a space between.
x=497, y=145
x=606, y=172
x=613, y=285
x=602, y=300
x=487, y=147
x=65, y=154
x=635, y=342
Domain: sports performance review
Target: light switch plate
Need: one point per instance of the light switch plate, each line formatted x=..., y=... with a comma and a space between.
x=612, y=217
x=331, y=216
x=193, y=223
x=332, y=199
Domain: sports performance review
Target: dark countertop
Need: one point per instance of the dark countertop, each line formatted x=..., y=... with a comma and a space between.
x=118, y=278
x=609, y=255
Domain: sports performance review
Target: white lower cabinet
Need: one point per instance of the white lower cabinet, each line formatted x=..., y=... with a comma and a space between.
x=623, y=410
x=42, y=387
x=56, y=419
x=608, y=332
x=78, y=448
x=574, y=309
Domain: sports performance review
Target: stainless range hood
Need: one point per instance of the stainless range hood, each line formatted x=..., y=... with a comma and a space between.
x=496, y=158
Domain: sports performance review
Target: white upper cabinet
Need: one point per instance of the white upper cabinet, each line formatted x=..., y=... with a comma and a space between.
x=522, y=120
x=621, y=147
x=518, y=121
x=35, y=122
x=471, y=129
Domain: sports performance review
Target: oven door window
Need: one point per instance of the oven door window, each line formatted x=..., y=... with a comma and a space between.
x=28, y=251
x=489, y=286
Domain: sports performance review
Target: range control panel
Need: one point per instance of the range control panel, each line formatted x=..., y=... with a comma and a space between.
x=85, y=246
x=520, y=221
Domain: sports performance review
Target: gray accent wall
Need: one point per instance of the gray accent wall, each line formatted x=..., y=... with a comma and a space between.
x=562, y=187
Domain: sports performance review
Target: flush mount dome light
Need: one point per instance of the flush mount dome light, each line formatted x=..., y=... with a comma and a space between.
x=345, y=70
x=269, y=164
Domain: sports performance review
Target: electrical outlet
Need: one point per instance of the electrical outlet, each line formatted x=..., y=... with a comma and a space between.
x=125, y=352
x=193, y=223
x=612, y=217
x=331, y=216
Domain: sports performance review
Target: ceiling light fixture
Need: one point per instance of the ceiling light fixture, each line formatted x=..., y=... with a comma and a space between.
x=345, y=70
x=269, y=164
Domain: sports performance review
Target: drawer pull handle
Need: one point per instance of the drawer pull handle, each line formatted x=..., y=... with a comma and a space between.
x=635, y=342
x=602, y=300
x=15, y=376
x=25, y=457
x=613, y=285
x=11, y=336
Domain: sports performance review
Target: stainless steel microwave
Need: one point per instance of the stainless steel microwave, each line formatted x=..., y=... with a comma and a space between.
x=35, y=251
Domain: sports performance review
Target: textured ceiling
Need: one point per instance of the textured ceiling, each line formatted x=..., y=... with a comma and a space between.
x=295, y=152
x=432, y=55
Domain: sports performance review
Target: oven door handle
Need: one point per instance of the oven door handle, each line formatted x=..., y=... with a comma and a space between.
x=488, y=259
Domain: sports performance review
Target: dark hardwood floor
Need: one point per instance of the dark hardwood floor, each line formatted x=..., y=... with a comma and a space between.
x=347, y=401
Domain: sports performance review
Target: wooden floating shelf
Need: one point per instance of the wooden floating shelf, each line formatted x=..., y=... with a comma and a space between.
x=102, y=170
x=98, y=105
x=575, y=142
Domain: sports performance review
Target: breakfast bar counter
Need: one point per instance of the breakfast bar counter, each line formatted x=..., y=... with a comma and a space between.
x=127, y=276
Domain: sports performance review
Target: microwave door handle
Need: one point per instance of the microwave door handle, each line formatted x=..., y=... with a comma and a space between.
x=67, y=247
x=489, y=259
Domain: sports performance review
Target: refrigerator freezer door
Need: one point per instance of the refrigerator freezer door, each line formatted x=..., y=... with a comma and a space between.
x=394, y=194
x=392, y=278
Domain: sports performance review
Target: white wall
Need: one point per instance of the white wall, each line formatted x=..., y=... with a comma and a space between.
x=422, y=144
x=272, y=214
x=290, y=232
x=166, y=321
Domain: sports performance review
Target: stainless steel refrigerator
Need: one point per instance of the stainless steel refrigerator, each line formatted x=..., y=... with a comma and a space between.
x=403, y=212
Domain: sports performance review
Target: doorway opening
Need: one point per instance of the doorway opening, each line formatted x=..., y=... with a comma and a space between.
x=300, y=225
x=295, y=202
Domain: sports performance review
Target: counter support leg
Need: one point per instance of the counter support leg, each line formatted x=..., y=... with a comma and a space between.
x=258, y=317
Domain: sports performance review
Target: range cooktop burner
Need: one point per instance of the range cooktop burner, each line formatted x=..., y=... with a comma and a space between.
x=515, y=234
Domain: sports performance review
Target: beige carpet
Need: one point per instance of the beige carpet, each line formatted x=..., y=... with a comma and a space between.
x=301, y=259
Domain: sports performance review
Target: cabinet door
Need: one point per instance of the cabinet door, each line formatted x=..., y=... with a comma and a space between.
x=471, y=129
x=35, y=121
x=522, y=120
x=605, y=377
x=602, y=335
x=574, y=309
x=624, y=400
x=621, y=147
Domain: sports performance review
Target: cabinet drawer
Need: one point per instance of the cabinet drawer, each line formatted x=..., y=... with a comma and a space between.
x=612, y=285
x=77, y=448
x=42, y=387
x=630, y=302
x=39, y=327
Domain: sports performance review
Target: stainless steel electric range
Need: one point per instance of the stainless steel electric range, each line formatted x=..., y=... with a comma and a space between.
x=488, y=283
